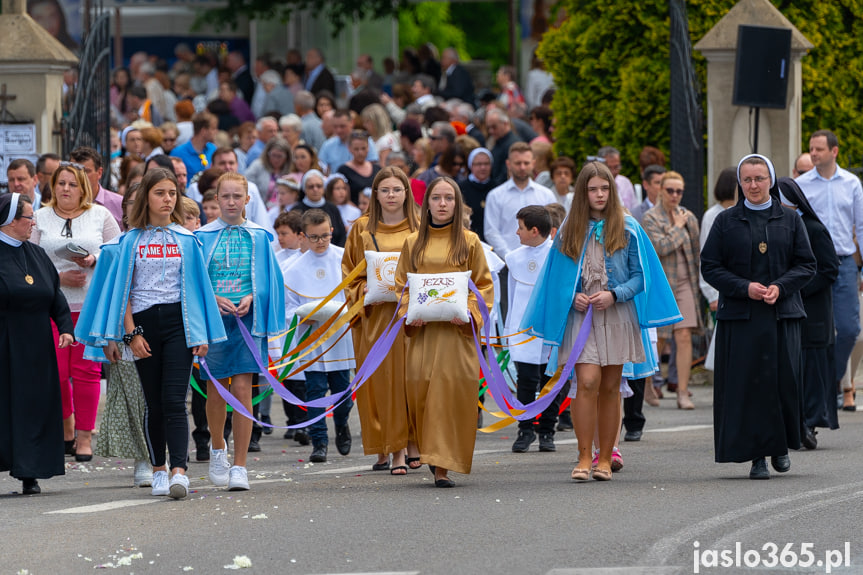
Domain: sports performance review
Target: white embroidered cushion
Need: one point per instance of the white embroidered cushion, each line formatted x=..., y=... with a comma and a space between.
x=381, y=277
x=438, y=297
x=326, y=312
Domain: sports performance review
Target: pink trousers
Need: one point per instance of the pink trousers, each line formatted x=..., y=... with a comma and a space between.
x=79, y=382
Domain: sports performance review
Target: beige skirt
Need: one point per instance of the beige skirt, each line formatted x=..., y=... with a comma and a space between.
x=614, y=339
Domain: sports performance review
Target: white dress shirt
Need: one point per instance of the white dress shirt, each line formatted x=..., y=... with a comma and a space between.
x=838, y=202
x=501, y=206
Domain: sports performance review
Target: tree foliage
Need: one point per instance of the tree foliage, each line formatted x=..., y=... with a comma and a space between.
x=338, y=12
x=610, y=61
x=431, y=22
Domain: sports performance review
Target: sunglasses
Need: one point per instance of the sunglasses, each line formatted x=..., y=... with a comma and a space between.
x=674, y=191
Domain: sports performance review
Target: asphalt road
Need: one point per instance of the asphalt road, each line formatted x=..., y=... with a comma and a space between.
x=515, y=514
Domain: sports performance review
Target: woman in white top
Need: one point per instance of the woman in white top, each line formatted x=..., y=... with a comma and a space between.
x=71, y=217
x=379, y=125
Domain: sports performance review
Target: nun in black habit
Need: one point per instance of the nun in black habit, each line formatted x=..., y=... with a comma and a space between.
x=31, y=416
x=817, y=335
x=758, y=257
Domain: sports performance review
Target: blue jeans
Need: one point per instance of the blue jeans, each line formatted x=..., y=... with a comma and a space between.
x=316, y=387
x=846, y=312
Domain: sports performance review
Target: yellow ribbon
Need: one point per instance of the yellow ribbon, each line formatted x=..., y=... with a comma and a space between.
x=505, y=418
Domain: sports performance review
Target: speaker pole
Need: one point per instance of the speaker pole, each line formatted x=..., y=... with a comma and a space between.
x=755, y=137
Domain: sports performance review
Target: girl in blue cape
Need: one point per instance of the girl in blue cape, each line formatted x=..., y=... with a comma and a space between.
x=601, y=259
x=155, y=296
x=248, y=284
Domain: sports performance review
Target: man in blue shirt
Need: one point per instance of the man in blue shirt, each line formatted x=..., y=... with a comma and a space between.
x=197, y=153
x=837, y=198
x=335, y=150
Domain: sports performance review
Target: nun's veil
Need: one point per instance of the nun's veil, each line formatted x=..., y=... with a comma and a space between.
x=791, y=190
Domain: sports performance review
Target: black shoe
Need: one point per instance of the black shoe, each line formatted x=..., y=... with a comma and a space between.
x=564, y=421
x=522, y=443
x=634, y=435
x=444, y=483
x=30, y=487
x=781, y=463
x=266, y=419
x=319, y=454
x=69, y=446
x=202, y=453
x=254, y=446
x=809, y=440
x=83, y=457
x=759, y=469
x=343, y=439
x=546, y=442
x=289, y=434
x=301, y=436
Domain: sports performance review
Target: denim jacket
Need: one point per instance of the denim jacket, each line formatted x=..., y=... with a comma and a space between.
x=634, y=273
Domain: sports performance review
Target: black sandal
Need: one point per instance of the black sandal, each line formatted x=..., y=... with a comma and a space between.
x=411, y=460
x=399, y=468
x=381, y=466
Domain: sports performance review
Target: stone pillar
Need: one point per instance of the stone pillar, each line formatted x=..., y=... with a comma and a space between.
x=779, y=134
x=32, y=63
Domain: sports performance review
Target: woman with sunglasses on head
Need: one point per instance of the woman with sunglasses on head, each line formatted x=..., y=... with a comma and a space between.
x=72, y=218
x=381, y=402
x=156, y=298
x=359, y=171
x=674, y=232
x=758, y=257
x=31, y=426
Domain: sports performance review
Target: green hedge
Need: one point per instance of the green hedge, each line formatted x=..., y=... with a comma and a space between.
x=610, y=61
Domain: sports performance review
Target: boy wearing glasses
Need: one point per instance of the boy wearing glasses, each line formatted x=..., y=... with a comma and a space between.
x=310, y=278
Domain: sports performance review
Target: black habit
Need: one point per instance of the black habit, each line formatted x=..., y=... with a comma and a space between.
x=818, y=334
x=31, y=415
x=757, y=400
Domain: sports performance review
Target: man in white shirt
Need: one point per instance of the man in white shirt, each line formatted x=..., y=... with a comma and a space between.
x=837, y=198
x=334, y=152
x=503, y=203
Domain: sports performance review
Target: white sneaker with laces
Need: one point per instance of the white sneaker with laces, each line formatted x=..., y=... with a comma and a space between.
x=179, y=486
x=219, y=467
x=239, y=479
x=160, y=483
x=143, y=473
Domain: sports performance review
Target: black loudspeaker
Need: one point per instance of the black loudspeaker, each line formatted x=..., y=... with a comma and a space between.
x=761, y=69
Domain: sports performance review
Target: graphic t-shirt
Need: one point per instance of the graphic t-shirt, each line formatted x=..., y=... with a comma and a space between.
x=156, y=279
x=231, y=267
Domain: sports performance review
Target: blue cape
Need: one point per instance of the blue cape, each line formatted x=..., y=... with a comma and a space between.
x=548, y=309
x=101, y=319
x=268, y=285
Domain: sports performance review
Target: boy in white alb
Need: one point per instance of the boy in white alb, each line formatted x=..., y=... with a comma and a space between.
x=293, y=244
x=524, y=264
x=310, y=278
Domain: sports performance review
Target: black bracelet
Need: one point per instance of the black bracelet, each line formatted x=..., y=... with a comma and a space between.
x=613, y=294
x=127, y=339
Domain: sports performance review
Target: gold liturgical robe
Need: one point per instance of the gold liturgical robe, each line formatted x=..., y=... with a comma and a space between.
x=381, y=402
x=442, y=376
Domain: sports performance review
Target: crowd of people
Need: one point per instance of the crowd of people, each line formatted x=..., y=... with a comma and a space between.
x=241, y=201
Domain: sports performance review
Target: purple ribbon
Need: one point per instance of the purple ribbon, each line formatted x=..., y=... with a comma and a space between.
x=494, y=377
x=373, y=360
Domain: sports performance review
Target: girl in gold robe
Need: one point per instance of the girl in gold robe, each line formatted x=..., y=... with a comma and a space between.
x=442, y=366
x=381, y=402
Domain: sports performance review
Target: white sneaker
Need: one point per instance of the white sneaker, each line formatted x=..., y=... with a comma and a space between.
x=239, y=480
x=160, y=483
x=143, y=473
x=219, y=467
x=179, y=487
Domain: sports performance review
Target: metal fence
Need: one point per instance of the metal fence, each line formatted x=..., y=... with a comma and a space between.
x=88, y=122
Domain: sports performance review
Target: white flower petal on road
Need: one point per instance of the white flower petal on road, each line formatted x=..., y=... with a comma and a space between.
x=260, y=516
x=240, y=562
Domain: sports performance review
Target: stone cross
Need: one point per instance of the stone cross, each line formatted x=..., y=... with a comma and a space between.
x=5, y=115
x=13, y=7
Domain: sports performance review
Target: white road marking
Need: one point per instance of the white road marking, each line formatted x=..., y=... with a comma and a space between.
x=377, y=573
x=679, y=428
x=618, y=571
x=104, y=506
x=662, y=551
